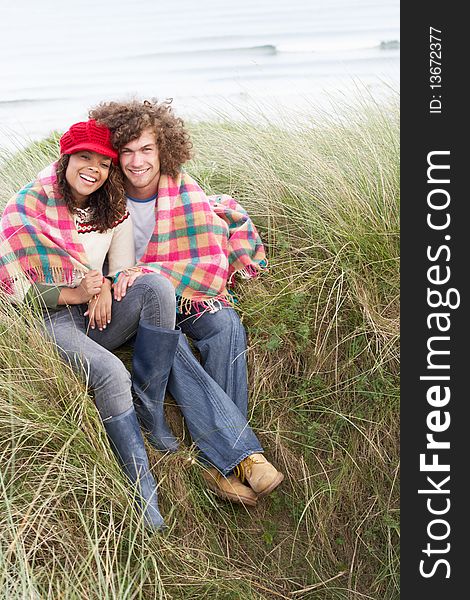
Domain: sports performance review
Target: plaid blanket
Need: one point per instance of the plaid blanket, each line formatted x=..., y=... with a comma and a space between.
x=200, y=242
x=38, y=238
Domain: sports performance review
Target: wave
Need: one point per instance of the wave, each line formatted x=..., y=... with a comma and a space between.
x=336, y=46
x=28, y=100
x=260, y=49
x=33, y=100
x=390, y=45
x=307, y=47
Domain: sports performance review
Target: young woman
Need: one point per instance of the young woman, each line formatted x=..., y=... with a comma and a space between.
x=55, y=236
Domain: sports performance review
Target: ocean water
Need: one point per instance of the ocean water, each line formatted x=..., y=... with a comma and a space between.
x=60, y=58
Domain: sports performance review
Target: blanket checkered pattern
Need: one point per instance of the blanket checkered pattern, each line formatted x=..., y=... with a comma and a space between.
x=38, y=238
x=200, y=242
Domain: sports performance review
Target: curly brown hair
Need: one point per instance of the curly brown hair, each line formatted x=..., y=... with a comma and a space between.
x=128, y=120
x=107, y=204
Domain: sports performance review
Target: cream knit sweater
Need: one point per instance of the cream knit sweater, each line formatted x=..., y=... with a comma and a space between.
x=115, y=246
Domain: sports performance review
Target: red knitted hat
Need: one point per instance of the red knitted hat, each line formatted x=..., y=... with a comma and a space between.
x=90, y=136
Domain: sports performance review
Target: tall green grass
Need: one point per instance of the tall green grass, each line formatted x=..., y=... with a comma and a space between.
x=323, y=328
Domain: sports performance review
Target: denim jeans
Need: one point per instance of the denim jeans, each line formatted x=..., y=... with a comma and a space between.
x=216, y=425
x=221, y=341
x=222, y=375
x=218, y=428
x=89, y=351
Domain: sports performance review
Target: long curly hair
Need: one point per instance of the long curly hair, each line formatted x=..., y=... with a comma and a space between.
x=107, y=203
x=128, y=120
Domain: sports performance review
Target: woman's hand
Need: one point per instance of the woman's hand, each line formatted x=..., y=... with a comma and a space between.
x=99, y=308
x=126, y=279
x=90, y=285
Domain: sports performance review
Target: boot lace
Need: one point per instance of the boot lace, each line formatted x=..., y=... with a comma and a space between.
x=243, y=469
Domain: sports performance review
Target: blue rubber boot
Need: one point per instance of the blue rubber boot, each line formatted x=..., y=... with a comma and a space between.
x=152, y=360
x=128, y=445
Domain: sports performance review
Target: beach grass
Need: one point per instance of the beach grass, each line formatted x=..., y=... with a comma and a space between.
x=323, y=327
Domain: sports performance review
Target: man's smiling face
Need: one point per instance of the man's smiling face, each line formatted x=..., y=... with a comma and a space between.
x=140, y=163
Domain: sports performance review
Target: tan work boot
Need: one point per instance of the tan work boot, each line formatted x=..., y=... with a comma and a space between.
x=262, y=477
x=229, y=488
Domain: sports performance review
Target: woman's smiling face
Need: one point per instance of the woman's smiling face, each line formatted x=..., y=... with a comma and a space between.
x=86, y=172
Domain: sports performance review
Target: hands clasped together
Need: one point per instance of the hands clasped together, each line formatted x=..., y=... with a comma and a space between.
x=98, y=291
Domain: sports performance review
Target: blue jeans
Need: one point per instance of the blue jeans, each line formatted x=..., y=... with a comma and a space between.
x=218, y=428
x=215, y=423
x=89, y=351
x=221, y=341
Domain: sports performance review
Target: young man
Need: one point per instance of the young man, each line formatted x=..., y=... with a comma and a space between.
x=198, y=243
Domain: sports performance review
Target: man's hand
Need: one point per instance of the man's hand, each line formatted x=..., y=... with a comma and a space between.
x=125, y=280
x=99, y=308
